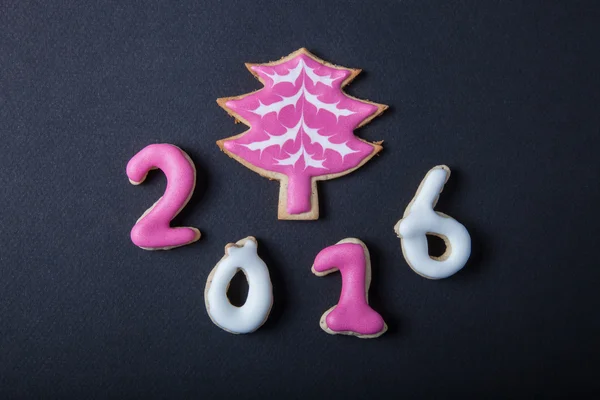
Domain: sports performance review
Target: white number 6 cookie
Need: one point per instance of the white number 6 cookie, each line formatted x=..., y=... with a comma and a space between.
x=420, y=220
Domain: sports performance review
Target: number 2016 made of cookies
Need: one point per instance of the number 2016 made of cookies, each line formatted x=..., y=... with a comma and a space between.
x=300, y=131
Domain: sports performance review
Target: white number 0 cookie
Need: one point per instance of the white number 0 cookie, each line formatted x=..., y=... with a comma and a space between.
x=249, y=317
x=420, y=220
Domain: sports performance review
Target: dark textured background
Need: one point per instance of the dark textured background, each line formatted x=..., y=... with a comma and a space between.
x=505, y=93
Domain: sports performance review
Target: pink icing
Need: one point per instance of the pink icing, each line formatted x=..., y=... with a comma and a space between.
x=152, y=231
x=352, y=313
x=301, y=125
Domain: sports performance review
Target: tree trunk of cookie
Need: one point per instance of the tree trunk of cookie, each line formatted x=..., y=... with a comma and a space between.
x=298, y=194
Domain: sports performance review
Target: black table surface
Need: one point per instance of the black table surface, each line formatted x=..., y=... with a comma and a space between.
x=505, y=93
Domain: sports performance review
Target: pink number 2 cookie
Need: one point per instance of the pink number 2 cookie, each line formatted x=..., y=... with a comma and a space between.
x=301, y=128
x=152, y=230
x=352, y=315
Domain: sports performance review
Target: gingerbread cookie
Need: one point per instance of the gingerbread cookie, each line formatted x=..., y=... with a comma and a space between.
x=301, y=128
x=420, y=220
x=352, y=315
x=152, y=230
x=255, y=311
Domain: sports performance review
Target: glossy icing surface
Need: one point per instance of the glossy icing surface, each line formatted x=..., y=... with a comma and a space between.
x=301, y=125
x=250, y=316
x=152, y=230
x=420, y=219
x=353, y=314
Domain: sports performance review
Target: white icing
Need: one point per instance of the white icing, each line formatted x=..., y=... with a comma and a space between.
x=294, y=133
x=324, y=79
x=309, y=161
x=276, y=140
x=420, y=219
x=331, y=107
x=292, y=75
x=254, y=312
x=276, y=107
x=315, y=137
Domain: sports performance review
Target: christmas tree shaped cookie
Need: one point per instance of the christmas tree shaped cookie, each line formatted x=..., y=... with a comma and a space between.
x=301, y=128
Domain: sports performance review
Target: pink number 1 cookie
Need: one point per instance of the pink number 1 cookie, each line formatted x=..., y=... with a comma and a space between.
x=352, y=315
x=301, y=128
